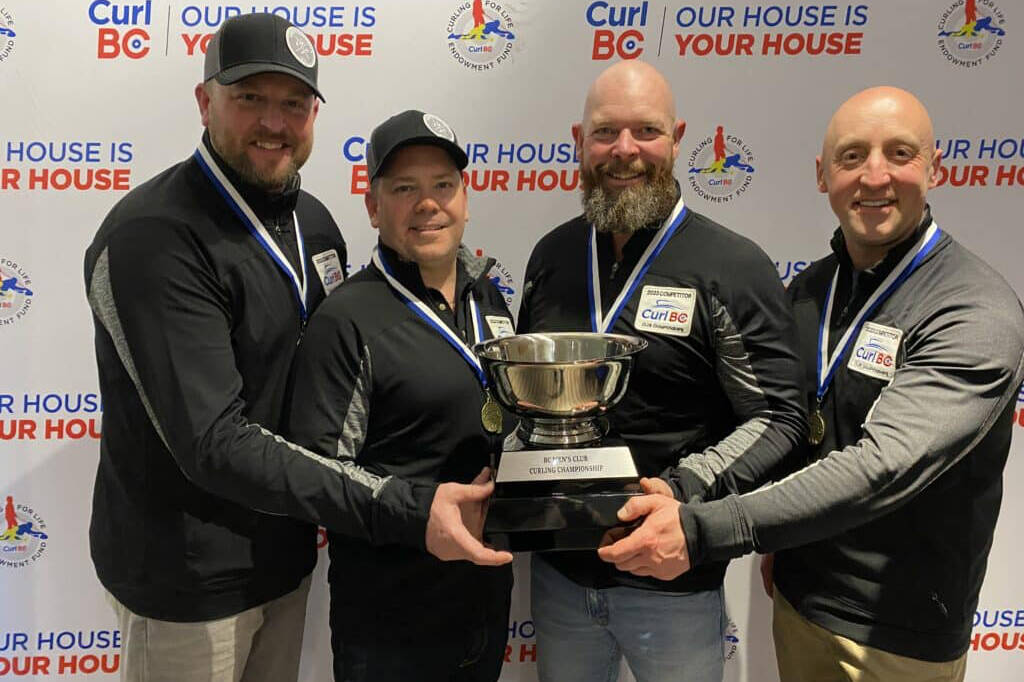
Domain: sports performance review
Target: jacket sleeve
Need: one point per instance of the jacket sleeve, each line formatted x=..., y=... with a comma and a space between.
x=758, y=367
x=964, y=364
x=154, y=292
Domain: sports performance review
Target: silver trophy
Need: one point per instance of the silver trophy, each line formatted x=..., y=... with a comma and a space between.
x=561, y=478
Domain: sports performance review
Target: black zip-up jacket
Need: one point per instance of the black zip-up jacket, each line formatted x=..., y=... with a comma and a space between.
x=718, y=406
x=892, y=521
x=383, y=393
x=196, y=328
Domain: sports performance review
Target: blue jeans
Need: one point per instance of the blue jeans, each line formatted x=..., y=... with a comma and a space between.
x=583, y=633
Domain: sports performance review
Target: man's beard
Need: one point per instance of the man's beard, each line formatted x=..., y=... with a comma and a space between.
x=269, y=180
x=631, y=208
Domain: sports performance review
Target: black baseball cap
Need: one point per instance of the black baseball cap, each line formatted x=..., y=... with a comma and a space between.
x=411, y=127
x=257, y=43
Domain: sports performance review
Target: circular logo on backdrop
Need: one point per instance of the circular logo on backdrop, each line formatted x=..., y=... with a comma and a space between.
x=730, y=640
x=971, y=32
x=300, y=47
x=438, y=127
x=501, y=278
x=480, y=34
x=721, y=167
x=7, y=33
x=15, y=292
x=22, y=536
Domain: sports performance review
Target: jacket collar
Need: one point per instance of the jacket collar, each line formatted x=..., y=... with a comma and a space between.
x=470, y=270
x=268, y=206
x=894, y=255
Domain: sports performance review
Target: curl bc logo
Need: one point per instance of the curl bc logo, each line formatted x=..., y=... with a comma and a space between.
x=23, y=539
x=721, y=167
x=15, y=294
x=969, y=35
x=480, y=34
x=7, y=34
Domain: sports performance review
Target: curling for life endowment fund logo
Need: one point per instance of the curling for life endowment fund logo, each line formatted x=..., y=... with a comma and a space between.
x=721, y=167
x=730, y=640
x=23, y=535
x=502, y=279
x=971, y=32
x=1018, y=414
x=15, y=292
x=481, y=34
x=7, y=34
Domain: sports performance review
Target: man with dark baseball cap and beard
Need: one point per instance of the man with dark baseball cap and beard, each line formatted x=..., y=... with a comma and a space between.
x=715, y=397
x=200, y=282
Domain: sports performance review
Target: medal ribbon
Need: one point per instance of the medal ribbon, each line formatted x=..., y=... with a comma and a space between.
x=909, y=263
x=255, y=226
x=598, y=321
x=430, y=317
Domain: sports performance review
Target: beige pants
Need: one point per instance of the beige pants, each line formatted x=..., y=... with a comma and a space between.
x=260, y=644
x=809, y=653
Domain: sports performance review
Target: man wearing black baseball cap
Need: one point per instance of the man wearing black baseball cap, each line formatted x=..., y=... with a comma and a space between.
x=386, y=381
x=201, y=281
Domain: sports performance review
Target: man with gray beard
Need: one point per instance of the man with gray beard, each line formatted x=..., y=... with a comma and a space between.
x=715, y=396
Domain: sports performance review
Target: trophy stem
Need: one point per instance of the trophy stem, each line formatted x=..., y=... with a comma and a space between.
x=561, y=432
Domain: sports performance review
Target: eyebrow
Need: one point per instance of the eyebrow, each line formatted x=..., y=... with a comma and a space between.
x=435, y=176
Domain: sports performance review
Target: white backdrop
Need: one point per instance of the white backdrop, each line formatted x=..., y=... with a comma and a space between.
x=96, y=96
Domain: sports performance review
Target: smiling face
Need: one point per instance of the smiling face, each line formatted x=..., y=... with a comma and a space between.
x=419, y=205
x=262, y=126
x=877, y=164
x=628, y=142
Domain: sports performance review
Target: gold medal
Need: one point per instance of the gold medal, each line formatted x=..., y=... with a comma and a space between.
x=490, y=415
x=816, y=427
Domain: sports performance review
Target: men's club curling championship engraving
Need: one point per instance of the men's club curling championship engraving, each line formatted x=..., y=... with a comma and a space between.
x=561, y=478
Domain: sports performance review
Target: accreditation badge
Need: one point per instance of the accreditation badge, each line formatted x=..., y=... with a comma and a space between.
x=500, y=326
x=874, y=353
x=666, y=310
x=328, y=266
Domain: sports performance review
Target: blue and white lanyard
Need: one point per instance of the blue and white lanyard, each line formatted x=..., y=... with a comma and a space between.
x=826, y=366
x=430, y=317
x=255, y=226
x=599, y=322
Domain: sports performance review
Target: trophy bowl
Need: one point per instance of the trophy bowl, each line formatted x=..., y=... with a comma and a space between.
x=560, y=384
x=562, y=478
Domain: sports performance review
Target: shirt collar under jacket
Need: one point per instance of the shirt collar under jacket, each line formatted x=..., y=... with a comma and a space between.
x=270, y=207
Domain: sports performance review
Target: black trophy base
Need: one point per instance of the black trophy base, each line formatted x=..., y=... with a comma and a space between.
x=558, y=515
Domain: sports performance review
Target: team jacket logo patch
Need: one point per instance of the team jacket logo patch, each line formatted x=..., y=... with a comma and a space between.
x=328, y=266
x=666, y=310
x=875, y=351
x=500, y=326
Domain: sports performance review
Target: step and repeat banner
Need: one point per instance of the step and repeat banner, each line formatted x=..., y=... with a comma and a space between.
x=97, y=96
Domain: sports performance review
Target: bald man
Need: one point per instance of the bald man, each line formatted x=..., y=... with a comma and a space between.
x=913, y=351
x=715, y=396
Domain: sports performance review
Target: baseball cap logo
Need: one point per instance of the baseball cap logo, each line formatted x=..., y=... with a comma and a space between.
x=300, y=47
x=438, y=127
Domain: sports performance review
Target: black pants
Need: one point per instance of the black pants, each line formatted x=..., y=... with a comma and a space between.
x=471, y=652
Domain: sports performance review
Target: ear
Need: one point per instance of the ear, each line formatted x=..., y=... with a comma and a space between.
x=819, y=172
x=935, y=166
x=577, y=134
x=465, y=198
x=677, y=135
x=371, y=208
x=316, y=106
x=203, y=100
